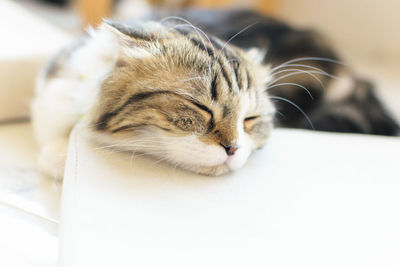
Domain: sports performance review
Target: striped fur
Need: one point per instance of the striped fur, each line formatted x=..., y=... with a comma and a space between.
x=172, y=93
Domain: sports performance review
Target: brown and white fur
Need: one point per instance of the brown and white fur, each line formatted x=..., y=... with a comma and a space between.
x=170, y=93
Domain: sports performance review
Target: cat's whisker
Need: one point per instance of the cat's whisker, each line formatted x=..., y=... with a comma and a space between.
x=152, y=153
x=212, y=103
x=229, y=40
x=198, y=31
x=235, y=35
x=162, y=159
x=195, y=29
x=292, y=67
x=233, y=60
x=308, y=67
x=144, y=145
x=225, y=45
x=296, y=106
x=189, y=23
x=112, y=151
x=128, y=148
x=134, y=154
x=316, y=71
x=294, y=84
x=298, y=72
x=295, y=72
x=140, y=143
x=202, y=40
x=193, y=78
x=309, y=59
x=159, y=154
x=280, y=113
x=108, y=146
x=278, y=67
x=111, y=146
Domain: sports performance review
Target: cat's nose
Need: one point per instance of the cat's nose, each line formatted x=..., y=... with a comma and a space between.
x=230, y=150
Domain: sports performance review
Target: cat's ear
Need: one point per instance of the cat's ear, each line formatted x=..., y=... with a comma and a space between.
x=131, y=40
x=256, y=54
x=263, y=71
x=138, y=33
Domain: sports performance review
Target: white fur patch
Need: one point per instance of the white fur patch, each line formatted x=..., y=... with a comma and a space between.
x=55, y=111
x=340, y=88
x=52, y=158
x=189, y=150
x=244, y=142
x=61, y=100
x=137, y=52
x=257, y=54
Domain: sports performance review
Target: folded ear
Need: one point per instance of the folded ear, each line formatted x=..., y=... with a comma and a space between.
x=264, y=70
x=132, y=39
x=140, y=31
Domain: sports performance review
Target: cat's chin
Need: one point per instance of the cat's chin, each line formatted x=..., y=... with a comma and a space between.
x=231, y=164
x=211, y=170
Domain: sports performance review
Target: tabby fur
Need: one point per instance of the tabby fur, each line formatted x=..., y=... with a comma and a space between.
x=201, y=102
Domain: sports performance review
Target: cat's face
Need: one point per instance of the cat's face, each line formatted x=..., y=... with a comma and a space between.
x=173, y=95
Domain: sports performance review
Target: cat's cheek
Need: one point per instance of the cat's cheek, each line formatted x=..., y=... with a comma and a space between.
x=190, y=151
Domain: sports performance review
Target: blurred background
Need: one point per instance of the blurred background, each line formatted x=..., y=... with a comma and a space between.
x=365, y=33
x=367, y=28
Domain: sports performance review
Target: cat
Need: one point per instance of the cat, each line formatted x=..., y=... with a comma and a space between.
x=153, y=89
x=197, y=101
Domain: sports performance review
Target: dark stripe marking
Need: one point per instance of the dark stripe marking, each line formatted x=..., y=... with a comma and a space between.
x=225, y=74
x=226, y=111
x=102, y=124
x=236, y=66
x=215, y=42
x=201, y=106
x=202, y=46
x=132, y=126
x=214, y=88
x=249, y=81
x=251, y=118
x=130, y=31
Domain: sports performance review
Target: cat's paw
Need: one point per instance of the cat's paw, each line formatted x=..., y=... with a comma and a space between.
x=214, y=170
x=52, y=157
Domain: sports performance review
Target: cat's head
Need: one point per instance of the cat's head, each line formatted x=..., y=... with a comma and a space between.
x=184, y=98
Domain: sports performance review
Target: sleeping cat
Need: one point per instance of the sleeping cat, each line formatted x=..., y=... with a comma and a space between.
x=170, y=91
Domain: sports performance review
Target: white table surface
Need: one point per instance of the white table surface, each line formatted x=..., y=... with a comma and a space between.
x=306, y=199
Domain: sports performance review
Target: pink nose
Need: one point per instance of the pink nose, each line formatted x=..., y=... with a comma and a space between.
x=230, y=150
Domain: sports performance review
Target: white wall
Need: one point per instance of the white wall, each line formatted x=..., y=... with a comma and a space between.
x=357, y=27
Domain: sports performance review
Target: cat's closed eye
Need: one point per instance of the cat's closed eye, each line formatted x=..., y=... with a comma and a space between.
x=185, y=123
x=251, y=118
x=250, y=121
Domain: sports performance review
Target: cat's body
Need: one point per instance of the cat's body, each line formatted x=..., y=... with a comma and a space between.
x=170, y=91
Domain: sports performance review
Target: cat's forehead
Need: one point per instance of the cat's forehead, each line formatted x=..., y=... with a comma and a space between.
x=189, y=63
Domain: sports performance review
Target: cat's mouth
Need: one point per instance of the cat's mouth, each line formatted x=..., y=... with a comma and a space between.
x=228, y=159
